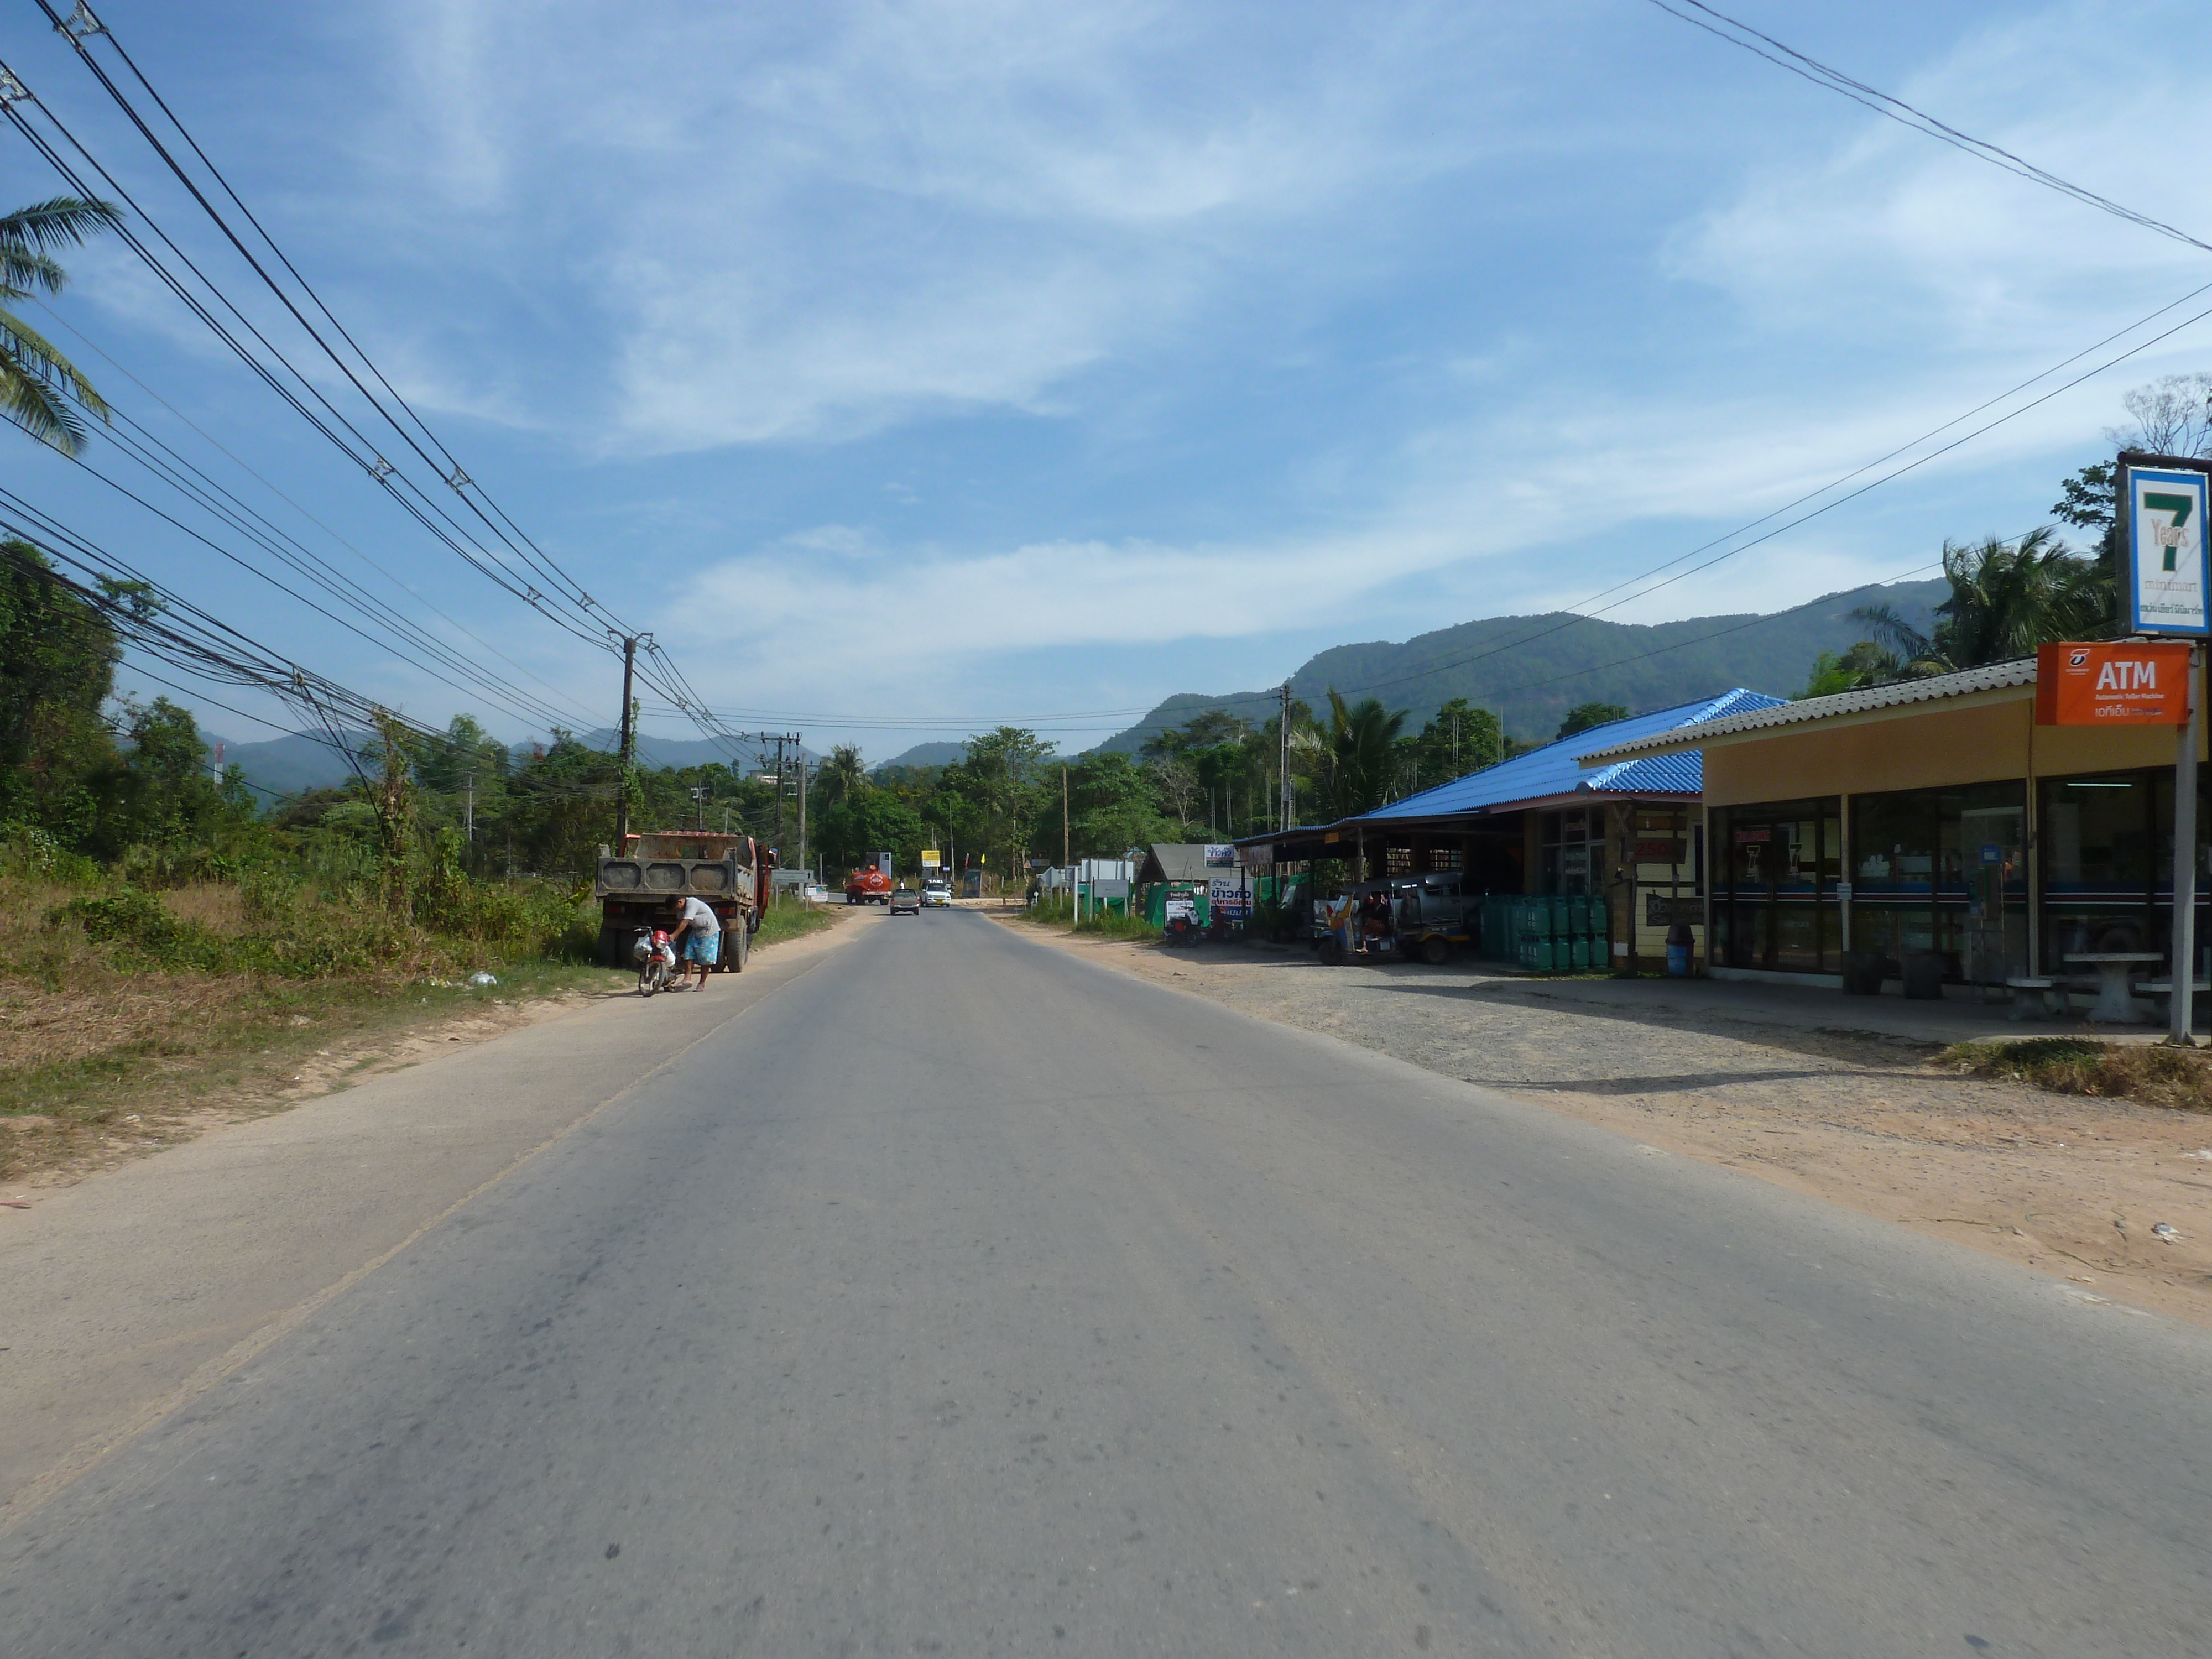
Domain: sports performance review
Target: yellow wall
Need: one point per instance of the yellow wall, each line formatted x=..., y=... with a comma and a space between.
x=1923, y=747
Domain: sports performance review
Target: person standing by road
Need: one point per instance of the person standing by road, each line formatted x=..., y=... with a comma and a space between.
x=697, y=939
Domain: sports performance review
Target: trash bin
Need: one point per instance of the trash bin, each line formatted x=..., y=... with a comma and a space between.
x=1863, y=972
x=1923, y=976
x=1680, y=941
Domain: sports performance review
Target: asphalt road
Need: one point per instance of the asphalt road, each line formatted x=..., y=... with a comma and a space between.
x=1052, y=1313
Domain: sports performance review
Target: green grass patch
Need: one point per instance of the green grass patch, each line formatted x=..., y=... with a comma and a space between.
x=2150, y=1073
x=789, y=918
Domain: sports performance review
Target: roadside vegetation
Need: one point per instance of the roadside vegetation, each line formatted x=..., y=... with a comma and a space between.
x=2151, y=1073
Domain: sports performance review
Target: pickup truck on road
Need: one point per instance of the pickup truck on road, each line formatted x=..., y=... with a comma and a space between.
x=642, y=885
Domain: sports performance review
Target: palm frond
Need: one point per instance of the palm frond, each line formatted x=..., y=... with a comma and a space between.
x=58, y=221
x=32, y=402
x=30, y=352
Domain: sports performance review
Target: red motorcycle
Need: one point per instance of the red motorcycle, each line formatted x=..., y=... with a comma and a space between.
x=655, y=956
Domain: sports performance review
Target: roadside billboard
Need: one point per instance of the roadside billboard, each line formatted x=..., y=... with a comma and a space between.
x=2095, y=682
x=1220, y=855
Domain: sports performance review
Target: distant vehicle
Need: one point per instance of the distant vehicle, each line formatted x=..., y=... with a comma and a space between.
x=869, y=884
x=936, y=894
x=905, y=899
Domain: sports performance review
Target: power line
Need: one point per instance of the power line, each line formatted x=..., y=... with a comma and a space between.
x=1896, y=109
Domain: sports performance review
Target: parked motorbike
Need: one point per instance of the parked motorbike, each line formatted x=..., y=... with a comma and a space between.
x=655, y=956
x=1180, y=931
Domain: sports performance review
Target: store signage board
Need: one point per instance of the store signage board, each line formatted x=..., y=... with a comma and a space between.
x=2169, y=572
x=2112, y=683
x=1220, y=855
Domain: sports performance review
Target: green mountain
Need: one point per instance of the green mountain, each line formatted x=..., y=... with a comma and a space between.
x=1533, y=669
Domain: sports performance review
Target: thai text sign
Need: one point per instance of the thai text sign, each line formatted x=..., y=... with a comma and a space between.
x=929, y=857
x=2112, y=684
x=2169, y=577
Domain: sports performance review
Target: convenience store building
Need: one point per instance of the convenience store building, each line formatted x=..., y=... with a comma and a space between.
x=1930, y=817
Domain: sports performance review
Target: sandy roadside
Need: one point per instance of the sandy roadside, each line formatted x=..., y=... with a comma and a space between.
x=2067, y=1185
x=390, y=1046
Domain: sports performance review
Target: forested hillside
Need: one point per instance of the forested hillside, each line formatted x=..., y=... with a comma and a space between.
x=1532, y=670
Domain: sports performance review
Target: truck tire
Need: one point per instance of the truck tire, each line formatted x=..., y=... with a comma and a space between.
x=1330, y=952
x=1435, y=950
x=610, y=945
x=736, y=942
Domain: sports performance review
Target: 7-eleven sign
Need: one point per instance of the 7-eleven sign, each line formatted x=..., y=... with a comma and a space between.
x=2169, y=576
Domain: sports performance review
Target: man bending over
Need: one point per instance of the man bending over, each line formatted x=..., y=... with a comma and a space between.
x=697, y=939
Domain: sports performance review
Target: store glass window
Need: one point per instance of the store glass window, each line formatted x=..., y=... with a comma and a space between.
x=2107, y=846
x=1774, y=893
x=1574, y=850
x=1942, y=872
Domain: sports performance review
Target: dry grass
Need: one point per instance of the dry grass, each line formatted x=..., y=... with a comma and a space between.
x=2151, y=1073
x=102, y=1046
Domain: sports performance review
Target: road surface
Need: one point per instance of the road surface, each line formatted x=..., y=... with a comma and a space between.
x=1054, y=1313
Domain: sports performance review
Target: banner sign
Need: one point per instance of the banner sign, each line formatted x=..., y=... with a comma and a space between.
x=929, y=857
x=1220, y=856
x=2169, y=577
x=1664, y=910
x=2096, y=683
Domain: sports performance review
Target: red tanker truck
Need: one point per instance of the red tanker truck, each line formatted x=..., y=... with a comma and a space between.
x=872, y=882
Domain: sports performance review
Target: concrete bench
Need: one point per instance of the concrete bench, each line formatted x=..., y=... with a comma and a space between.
x=2034, y=998
x=2163, y=990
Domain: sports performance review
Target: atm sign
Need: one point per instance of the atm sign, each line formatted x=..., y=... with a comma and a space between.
x=2107, y=684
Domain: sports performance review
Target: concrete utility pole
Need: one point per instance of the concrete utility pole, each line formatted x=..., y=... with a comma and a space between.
x=801, y=747
x=1283, y=763
x=779, y=796
x=1063, y=821
x=629, y=743
x=471, y=781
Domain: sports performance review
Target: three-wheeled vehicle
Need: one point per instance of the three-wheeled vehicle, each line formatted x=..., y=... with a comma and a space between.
x=1407, y=916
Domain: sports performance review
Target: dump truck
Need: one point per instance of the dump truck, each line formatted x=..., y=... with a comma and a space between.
x=643, y=884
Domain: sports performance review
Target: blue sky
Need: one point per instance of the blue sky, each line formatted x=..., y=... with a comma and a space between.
x=910, y=367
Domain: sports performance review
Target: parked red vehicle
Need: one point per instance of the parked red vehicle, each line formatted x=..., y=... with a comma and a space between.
x=872, y=882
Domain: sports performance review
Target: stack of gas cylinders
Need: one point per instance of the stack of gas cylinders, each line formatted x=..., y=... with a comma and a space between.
x=1553, y=933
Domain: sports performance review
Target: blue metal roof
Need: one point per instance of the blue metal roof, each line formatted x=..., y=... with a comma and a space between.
x=1556, y=769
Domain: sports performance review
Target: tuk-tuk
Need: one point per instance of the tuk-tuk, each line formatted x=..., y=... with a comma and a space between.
x=1427, y=916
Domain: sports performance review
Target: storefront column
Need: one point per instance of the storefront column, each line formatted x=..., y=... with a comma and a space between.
x=1845, y=865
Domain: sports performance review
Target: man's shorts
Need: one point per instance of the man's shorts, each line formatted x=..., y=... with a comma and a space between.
x=703, y=947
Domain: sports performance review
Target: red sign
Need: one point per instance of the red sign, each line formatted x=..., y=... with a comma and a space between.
x=2112, y=684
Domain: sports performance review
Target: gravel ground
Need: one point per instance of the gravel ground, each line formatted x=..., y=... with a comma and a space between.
x=2069, y=1186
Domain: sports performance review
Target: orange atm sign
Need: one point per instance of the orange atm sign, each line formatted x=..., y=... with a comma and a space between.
x=2112, y=684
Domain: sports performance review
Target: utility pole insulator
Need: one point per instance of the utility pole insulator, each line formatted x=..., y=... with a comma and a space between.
x=12, y=91
x=81, y=24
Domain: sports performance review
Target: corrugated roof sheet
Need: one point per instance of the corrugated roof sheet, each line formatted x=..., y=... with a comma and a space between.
x=1180, y=860
x=1992, y=677
x=1557, y=768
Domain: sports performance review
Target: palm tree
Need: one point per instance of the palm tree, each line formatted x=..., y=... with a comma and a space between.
x=2006, y=600
x=37, y=383
x=841, y=777
x=1355, y=753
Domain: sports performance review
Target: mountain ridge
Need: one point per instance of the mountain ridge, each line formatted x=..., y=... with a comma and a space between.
x=1532, y=670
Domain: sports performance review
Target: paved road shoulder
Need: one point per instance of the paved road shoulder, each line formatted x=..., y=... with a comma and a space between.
x=123, y=1298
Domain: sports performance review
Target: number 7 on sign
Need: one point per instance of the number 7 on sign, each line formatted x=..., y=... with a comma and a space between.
x=2169, y=535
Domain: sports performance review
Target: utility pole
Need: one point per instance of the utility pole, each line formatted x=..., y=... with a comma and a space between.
x=800, y=745
x=2183, y=1001
x=472, y=808
x=628, y=739
x=779, y=796
x=1064, y=861
x=1283, y=763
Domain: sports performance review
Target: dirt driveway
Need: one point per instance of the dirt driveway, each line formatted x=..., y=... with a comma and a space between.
x=2064, y=1184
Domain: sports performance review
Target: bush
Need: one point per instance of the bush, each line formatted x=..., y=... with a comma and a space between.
x=2150, y=1072
x=141, y=924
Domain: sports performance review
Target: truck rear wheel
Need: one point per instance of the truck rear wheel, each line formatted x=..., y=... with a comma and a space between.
x=1435, y=950
x=610, y=945
x=735, y=942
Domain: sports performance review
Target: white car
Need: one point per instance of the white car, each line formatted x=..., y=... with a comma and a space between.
x=937, y=893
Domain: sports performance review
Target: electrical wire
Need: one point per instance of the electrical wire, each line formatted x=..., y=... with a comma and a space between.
x=1896, y=109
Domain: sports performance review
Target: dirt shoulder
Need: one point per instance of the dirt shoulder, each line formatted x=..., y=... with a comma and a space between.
x=2067, y=1185
x=225, y=1063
